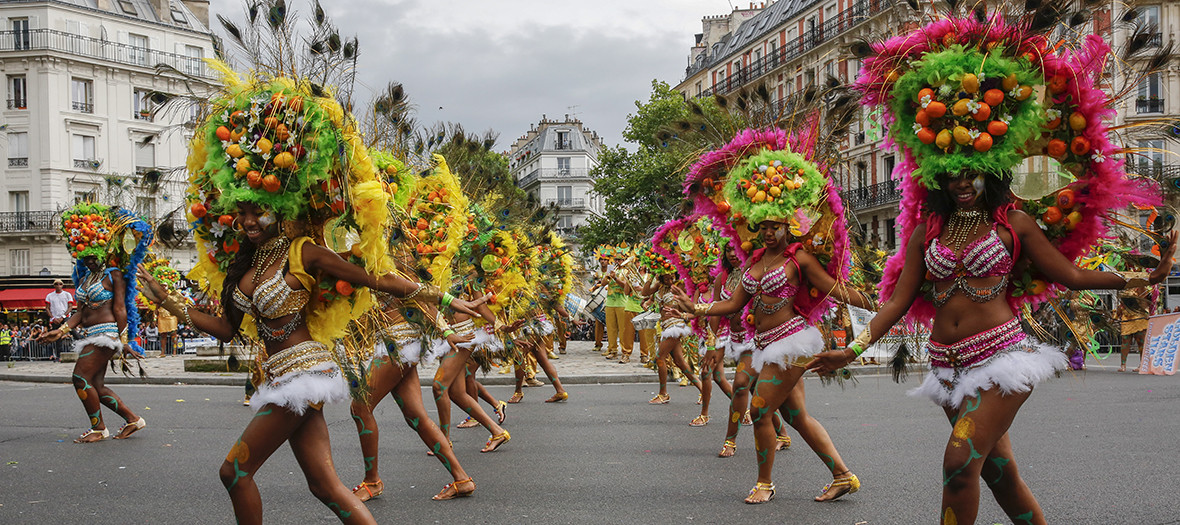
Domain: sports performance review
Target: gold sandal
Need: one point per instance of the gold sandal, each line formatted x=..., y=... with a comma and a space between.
x=784, y=442
x=516, y=397
x=501, y=411
x=503, y=437
x=558, y=397
x=729, y=445
x=368, y=494
x=760, y=486
x=699, y=421
x=850, y=481
x=660, y=399
x=454, y=490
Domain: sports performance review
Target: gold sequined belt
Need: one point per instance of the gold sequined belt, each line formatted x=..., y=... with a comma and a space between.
x=299, y=358
x=401, y=333
x=462, y=328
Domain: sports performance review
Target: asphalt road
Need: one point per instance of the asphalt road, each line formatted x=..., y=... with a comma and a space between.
x=1095, y=448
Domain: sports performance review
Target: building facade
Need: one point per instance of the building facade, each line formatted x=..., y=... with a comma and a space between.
x=790, y=44
x=552, y=162
x=81, y=125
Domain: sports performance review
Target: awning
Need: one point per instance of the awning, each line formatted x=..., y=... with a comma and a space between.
x=26, y=298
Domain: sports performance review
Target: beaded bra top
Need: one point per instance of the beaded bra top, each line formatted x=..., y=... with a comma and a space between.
x=986, y=257
x=273, y=298
x=773, y=284
x=93, y=294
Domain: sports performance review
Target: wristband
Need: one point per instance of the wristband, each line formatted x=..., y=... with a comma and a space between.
x=856, y=350
x=415, y=292
x=445, y=300
x=862, y=341
x=1134, y=279
x=702, y=309
x=448, y=332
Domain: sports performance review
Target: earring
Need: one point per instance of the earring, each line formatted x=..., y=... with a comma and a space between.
x=237, y=225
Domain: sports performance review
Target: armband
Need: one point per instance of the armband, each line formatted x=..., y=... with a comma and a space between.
x=861, y=343
x=701, y=309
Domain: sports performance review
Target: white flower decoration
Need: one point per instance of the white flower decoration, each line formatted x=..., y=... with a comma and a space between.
x=945, y=89
x=1053, y=114
x=925, y=100
x=917, y=127
x=1006, y=119
x=1015, y=92
x=974, y=133
x=218, y=229
x=973, y=106
x=981, y=77
x=1098, y=157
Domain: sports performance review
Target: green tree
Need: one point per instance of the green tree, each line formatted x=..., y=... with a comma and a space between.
x=642, y=189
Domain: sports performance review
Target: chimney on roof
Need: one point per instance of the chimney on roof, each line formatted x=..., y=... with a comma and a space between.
x=200, y=9
x=163, y=10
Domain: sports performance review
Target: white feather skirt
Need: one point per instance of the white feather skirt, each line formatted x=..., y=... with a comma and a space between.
x=734, y=350
x=484, y=341
x=296, y=391
x=804, y=343
x=99, y=340
x=1015, y=371
x=438, y=348
x=675, y=332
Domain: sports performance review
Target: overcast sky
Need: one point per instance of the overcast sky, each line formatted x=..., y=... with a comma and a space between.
x=502, y=64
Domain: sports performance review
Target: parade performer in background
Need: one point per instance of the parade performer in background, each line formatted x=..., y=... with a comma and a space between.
x=959, y=102
x=780, y=183
x=672, y=327
x=537, y=329
x=618, y=323
x=275, y=168
x=393, y=369
x=107, y=246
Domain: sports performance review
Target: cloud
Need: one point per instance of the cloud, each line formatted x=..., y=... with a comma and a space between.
x=501, y=65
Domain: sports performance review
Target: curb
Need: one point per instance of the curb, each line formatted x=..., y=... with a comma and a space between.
x=489, y=380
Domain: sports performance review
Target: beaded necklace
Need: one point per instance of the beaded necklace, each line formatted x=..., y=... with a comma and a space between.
x=268, y=254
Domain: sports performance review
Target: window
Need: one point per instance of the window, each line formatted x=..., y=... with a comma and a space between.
x=20, y=261
x=699, y=89
x=145, y=157
x=194, y=65
x=19, y=201
x=145, y=207
x=862, y=175
x=82, y=95
x=83, y=151
x=128, y=7
x=891, y=233
x=565, y=195
x=17, y=92
x=1149, y=16
x=1150, y=158
x=178, y=17
x=772, y=52
x=20, y=34
x=889, y=163
x=1149, y=100
x=563, y=165
x=141, y=105
x=563, y=140
x=85, y=196
x=139, y=49
x=565, y=222
x=18, y=150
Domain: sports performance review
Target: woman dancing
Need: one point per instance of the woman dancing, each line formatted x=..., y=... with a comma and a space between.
x=970, y=258
x=777, y=284
x=400, y=380
x=672, y=330
x=102, y=319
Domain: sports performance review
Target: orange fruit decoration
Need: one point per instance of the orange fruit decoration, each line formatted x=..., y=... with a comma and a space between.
x=983, y=113
x=254, y=179
x=1058, y=84
x=997, y=127
x=1056, y=148
x=344, y=288
x=926, y=135
x=993, y=97
x=222, y=133
x=922, y=118
x=1080, y=146
x=983, y=142
x=198, y=210
x=1066, y=199
x=271, y=183
x=226, y=220
x=935, y=109
x=1052, y=215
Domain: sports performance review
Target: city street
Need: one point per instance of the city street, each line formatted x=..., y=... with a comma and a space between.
x=1094, y=448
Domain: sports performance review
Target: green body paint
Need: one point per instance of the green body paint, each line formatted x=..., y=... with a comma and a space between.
x=339, y=510
x=1023, y=518
x=361, y=430
x=971, y=456
x=110, y=401
x=238, y=474
x=369, y=462
x=999, y=463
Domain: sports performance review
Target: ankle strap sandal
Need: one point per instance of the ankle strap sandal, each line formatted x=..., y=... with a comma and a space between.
x=850, y=482
x=760, y=486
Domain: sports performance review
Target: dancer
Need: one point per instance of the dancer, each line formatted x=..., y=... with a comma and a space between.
x=399, y=379
x=672, y=330
x=970, y=259
x=106, y=319
x=255, y=213
x=785, y=286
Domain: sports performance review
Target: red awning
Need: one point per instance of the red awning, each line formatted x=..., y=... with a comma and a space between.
x=26, y=298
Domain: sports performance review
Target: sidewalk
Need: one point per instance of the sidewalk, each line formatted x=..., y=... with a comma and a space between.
x=582, y=365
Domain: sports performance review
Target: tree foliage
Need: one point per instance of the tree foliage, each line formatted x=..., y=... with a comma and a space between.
x=641, y=189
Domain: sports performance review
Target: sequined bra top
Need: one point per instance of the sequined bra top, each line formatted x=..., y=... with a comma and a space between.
x=986, y=257
x=773, y=284
x=273, y=298
x=93, y=294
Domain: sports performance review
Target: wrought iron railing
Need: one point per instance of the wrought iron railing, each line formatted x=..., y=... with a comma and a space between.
x=867, y=197
x=1155, y=105
x=61, y=41
x=28, y=221
x=18, y=103
x=1155, y=170
x=553, y=173
x=812, y=38
x=82, y=107
x=18, y=162
x=566, y=203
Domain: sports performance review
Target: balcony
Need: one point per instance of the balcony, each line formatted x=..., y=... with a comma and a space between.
x=82, y=107
x=866, y=197
x=29, y=222
x=1154, y=170
x=83, y=164
x=1152, y=105
x=18, y=162
x=563, y=145
x=94, y=48
x=18, y=103
x=553, y=174
x=143, y=115
x=809, y=40
x=567, y=204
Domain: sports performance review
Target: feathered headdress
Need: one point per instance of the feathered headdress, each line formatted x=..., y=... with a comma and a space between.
x=985, y=93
